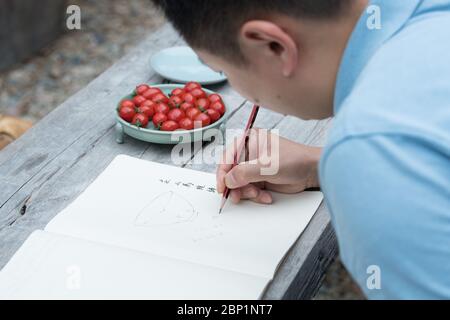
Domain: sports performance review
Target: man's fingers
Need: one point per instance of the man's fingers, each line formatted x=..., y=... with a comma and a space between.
x=252, y=193
x=222, y=170
x=225, y=165
x=242, y=175
x=285, y=188
x=235, y=195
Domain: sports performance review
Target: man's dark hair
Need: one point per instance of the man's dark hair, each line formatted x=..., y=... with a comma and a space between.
x=214, y=24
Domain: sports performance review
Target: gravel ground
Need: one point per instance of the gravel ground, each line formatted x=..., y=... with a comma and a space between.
x=338, y=285
x=110, y=28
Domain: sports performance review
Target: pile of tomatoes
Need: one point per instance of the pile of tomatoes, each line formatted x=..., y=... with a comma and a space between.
x=185, y=108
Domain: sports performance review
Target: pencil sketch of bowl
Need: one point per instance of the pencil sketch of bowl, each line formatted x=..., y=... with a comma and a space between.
x=166, y=209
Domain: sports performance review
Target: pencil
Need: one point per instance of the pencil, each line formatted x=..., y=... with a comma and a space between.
x=237, y=155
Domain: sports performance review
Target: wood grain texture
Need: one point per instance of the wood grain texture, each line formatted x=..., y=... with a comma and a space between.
x=48, y=167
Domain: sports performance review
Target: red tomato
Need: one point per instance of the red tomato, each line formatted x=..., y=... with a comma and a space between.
x=202, y=119
x=127, y=113
x=192, y=113
x=176, y=92
x=218, y=106
x=186, y=105
x=148, y=109
x=188, y=97
x=140, y=120
x=160, y=97
x=215, y=98
x=213, y=114
x=138, y=100
x=191, y=86
x=159, y=118
x=176, y=115
x=127, y=103
x=175, y=101
x=203, y=104
x=141, y=89
x=151, y=92
x=148, y=103
x=169, y=125
x=186, y=124
x=162, y=108
x=198, y=93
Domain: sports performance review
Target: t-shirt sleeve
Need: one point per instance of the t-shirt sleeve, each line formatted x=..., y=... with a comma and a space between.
x=389, y=198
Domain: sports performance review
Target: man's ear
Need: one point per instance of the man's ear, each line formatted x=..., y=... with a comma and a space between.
x=264, y=37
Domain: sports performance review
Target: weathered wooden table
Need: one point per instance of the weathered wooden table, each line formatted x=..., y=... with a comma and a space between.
x=48, y=167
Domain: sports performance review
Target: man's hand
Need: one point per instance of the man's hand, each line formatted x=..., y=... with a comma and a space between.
x=297, y=168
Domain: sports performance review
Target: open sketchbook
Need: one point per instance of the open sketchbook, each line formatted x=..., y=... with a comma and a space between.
x=150, y=231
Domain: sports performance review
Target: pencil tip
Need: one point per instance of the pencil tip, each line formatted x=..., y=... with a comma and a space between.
x=220, y=211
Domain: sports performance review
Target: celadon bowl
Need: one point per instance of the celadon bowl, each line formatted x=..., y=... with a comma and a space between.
x=151, y=134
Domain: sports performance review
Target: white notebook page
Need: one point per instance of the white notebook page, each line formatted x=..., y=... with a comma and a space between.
x=170, y=211
x=50, y=266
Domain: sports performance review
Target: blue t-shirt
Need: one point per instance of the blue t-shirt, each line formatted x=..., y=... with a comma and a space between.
x=386, y=168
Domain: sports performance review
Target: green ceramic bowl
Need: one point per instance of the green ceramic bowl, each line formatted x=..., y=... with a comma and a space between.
x=151, y=134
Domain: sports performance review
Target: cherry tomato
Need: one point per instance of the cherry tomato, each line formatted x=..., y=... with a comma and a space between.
x=151, y=92
x=169, y=125
x=140, y=120
x=186, y=105
x=175, y=101
x=141, y=89
x=176, y=115
x=215, y=98
x=198, y=93
x=186, y=124
x=158, y=119
x=176, y=92
x=192, y=113
x=160, y=97
x=127, y=113
x=148, y=103
x=188, y=97
x=191, y=86
x=203, y=104
x=213, y=114
x=218, y=106
x=148, y=108
x=162, y=108
x=138, y=100
x=127, y=103
x=202, y=119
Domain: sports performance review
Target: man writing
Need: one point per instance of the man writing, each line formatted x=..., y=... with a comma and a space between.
x=385, y=170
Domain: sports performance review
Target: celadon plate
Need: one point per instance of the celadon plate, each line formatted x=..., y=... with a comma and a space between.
x=181, y=64
x=151, y=134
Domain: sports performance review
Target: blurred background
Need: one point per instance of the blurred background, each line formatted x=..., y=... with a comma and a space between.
x=42, y=64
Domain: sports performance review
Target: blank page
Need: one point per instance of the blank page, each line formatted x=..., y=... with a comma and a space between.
x=50, y=266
